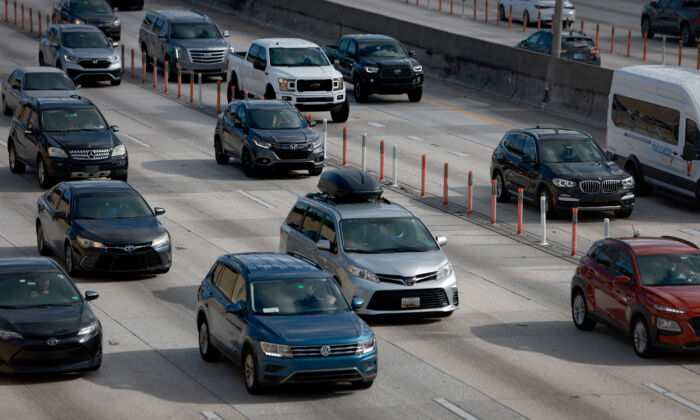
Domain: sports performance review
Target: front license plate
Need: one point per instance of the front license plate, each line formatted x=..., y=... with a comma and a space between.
x=92, y=169
x=578, y=56
x=410, y=302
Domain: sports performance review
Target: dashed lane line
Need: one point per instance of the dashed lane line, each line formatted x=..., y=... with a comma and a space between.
x=137, y=141
x=256, y=199
x=210, y=415
x=675, y=397
x=454, y=409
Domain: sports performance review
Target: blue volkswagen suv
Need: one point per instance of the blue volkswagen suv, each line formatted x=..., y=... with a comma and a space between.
x=285, y=320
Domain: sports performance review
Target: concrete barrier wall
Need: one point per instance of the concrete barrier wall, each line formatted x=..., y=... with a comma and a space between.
x=577, y=90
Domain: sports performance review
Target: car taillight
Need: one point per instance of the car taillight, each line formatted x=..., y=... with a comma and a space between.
x=595, y=50
x=541, y=7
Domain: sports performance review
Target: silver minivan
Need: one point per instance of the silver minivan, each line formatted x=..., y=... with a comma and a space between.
x=378, y=251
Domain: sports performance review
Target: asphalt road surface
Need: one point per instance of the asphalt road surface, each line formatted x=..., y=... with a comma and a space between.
x=511, y=351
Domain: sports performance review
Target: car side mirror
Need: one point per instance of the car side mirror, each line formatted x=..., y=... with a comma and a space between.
x=622, y=280
x=323, y=245
x=357, y=303
x=690, y=153
x=609, y=155
x=114, y=128
x=115, y=9
x=234, y=308
x=312, y=123
x=441, y=240
x=159, y=211
x=411, y=53
x=226, y=34
x=259, y=65
x=90, y=295
x=59, y=215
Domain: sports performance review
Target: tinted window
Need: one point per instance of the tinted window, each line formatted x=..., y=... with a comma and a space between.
x=33, y=119
x=312, y=224
x=382, y=49
x=276, y=119
x=604, y=257
x=22, y=114
x=298, y=57
x=646, y=118
x=158, y=25
x=253, y=53
x=692, y=135
x=328, y=232
x=508, y=140
x=296, y=215
x=516, y=145
x=297, y=297
x=532, y=41
x=241, y=116
x=529, y=149
x=230, y=112
x=570, y=150
x=343, y=46
x=545, y=40
x=14, y=78
x=623, y=265
x=84, y=39
x=386, y=235
x=238, y=295
x=47, y=81
x=226, y=281
x=55, y=196
x=37, y=288
x=64, y=203
x=111, y=205
x=577, y=42
x=147, y=22
x=194, y=31
x=352, y=48
x=73, y=119
x=669, y=269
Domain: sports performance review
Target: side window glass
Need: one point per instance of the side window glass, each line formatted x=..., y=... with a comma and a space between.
x=239, y=295
x=312, y=224
x=231, y=112
x=253, y=53
x=64, y=203
x=240, y=115
x=532, y=41
x=604, y=257
x=692, y=135
x=343, y=46
x=296, y=215
x=216, y=274
x=516, y=145
x=22, y=114
x=623, y=265
x=328, y=232
x=226, y=281
x=507, y=141
x=55, y=197
x=646, y=118
x=33, y=119
x=352, y=49
x=147, y=22
x=158, y=25
x=262, y=55
x=529, y=148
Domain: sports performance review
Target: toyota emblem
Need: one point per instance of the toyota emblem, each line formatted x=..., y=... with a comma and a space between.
x=52, y=341
x=91, y=154
x=409, y=281
x=129, y=248
x=397, y=71
x=325, y=350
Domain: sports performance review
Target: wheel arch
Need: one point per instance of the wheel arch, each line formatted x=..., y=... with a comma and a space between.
x=639, y=309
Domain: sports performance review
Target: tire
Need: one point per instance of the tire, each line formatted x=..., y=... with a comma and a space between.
x=41, y=242
x=415, y=95
x=115, y=82
x=124, y=178
x=248, y=164
x=59, y=65
x=502, y=14
x=208, y=352
x=16, y=167
x=270, y=93
x=502, y=194
x=340, y=113
x=42, y=174
x=552, y=210
x=686, y=36
x=172, y=70
x=315, y=171
x=360, y=91
x=579, y=312
x=250, y=373
x=641, y=337
x=362, y=384
x=623, y=214
x=68, y=259
x=5, y=109
x=640, y=187
x=221, y=157
x=646, y=27
x=42, y=63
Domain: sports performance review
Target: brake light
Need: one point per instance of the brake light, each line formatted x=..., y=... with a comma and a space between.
x=595, y=50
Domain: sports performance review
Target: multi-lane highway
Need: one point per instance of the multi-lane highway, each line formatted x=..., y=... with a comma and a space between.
x=511, y=351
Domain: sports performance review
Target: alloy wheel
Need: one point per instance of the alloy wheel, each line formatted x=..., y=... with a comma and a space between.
x=640, y=337
x=41, y=173
x=203, y=338
x=250, y=370
x=13, y=158
x=579, y=310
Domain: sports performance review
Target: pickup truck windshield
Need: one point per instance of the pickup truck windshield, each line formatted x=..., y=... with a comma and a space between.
x=298, y=57
x=83, y=39
x=194, y=31
x=381, y=49
x=275, y=119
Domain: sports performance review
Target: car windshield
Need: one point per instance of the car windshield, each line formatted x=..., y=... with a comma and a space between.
x=194, y=31
x=381, y=49
x=275, y=119
x=42, y=288
x=47, y=81
x=577, y=42
x=669, y=269
x=111, y=205
x=90, y=6
x=72, y=119
x=386, y=235
x=297, y=297
x=84, y=39
x=570, y=150
x=298, y=57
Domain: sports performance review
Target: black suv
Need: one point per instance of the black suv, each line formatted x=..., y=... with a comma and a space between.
x=267, y=134
x=575, y=45
x=65, y=138
x=672, y=17
x=566, y=166
x=91, y=12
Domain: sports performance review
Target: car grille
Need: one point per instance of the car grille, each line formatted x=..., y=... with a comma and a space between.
x=607, y=186
x=408, y=281
x=125, y=261
x=314, y=100
x=315, y=351
x=47, y=356
x=207, y=56
x=390, y=300
x=94, y=64
x=342, y=375
x=611, y=185
x=695, y=323
x=314, y=85
x=90, y=154
x=292, y=154
x=396, y=73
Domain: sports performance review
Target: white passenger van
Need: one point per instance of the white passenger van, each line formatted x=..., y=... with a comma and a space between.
x=652, y=127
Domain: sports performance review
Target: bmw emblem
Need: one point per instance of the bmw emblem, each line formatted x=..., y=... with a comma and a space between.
x=325, y=350
x=52, y=341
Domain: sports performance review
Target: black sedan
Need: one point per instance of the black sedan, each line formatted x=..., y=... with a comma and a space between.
x=575, y=45
x=103, y=226
x=567, y=167
x=45, y=324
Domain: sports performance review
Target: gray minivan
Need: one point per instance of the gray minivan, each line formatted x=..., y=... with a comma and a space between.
x=185, y=38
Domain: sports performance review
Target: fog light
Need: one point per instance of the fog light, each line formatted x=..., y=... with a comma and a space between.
x=371, y=80
x=287, y=98
x=340, y=97
x=667, y=325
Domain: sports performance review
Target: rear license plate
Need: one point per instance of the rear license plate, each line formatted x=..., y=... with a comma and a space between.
x=579, y=56
x=91, y=169
x=410, y=302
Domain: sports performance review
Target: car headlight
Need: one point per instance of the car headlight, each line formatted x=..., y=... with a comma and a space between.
x=627, y=182
x=668, y=309
x=6, y=335
x=276, y=350
x=362, y=273
x=563, y=183
x=366, y=346
x=57, y=152
x=89, y=329
x=231, y=50
x=71, y=59
x=284, y=84
x=370, y=69
x=444, y=271
x=418, y=69
x=338, y=83
x=160, y=241
x=113, y=58
x=178, y=53
x=119, y=150
x=116, y=22
x=316, y=143
x=77, y=21
x=87, y=243
x=667, y=325
x=261, y=143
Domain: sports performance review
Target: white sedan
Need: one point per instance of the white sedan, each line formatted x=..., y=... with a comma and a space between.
x=528, y=10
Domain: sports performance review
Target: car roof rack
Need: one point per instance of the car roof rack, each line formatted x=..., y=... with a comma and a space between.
x=332, y=201
x=674, y=238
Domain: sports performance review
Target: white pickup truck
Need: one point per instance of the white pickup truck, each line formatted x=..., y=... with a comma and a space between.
x=292, y=70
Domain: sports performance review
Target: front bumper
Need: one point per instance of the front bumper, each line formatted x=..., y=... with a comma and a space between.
x=77, y=72
x=73, y=169
x=686, y=340
x=214, y=69
x=546, y=15
x=595, y=202
x=375, y=84
x=332, y=369
x=289, y=159
x=34, y=355
x=146, y=260
x=314, y=101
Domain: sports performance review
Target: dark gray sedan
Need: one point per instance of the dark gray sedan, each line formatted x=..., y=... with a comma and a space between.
x=36, y=82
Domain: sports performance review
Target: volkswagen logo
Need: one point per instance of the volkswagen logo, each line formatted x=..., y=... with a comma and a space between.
x=52, y=341
x=129, y=248
x=91, y=154
x=325, y=350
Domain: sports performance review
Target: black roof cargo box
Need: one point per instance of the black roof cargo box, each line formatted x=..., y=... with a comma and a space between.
x=349, y=185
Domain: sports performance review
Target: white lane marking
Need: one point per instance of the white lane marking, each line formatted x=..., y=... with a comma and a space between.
x=3, y=143
x=376, y=124
x=454, y=409
x=210, y=415
x=691, y=232
x=461, y=154
x=415, y=138
x=256, y=199
x=675, y=397
x=137, y=141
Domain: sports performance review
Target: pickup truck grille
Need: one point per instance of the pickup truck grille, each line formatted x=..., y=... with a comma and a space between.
x=314, y=85
x=90, y=154
x=207, y=56
x=94, y=64
x=396, y=73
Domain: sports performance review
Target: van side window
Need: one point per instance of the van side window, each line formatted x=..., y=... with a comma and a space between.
x=312, y=224
x=692, y=135
x=295, y=216
x=328, y=232
x=645, y=118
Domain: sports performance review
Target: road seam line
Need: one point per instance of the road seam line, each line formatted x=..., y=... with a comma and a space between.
x=454, y=409
x=256, y=199
x=675, y=397
x=135, y=140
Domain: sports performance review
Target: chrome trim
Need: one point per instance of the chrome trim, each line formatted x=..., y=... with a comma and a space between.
x=636, y=137
x=90, y=154
x=628, y=197
x=568, y=199
x=600, y=208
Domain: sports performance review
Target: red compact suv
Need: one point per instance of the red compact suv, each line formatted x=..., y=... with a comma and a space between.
x=649, y=287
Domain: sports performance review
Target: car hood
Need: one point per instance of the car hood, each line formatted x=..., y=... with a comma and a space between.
x=285, y=136
x=406, y=264
x=586, y=170
x=345, y=327
x=686, y=298
x=46, y=322
x=92, y=53
x=307, y=73
x=120, y=231
x=93, y=18
x=84, y=139
x=49, y=93
x=207, y=43
x=403, y=62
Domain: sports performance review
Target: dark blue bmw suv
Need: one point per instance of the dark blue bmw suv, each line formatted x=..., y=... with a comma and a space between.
x=285, y=320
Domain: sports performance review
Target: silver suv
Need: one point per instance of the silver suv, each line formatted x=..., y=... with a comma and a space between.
x=378, y=251
x=186, y=38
